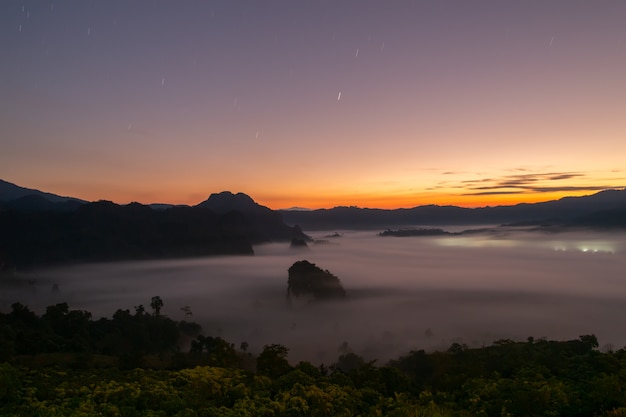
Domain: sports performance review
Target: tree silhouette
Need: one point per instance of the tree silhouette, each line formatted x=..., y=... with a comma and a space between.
x=156, y=303
x=273, y=361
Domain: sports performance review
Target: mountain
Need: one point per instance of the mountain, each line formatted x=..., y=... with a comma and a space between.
x=562, y=211
x=296, y=208
x=603, y=219
x=226, y=201
x=19, y=198
x=262, y=224
x=105, y=231
x=36, y=202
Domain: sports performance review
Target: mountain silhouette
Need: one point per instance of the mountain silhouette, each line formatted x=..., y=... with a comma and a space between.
x=104, y=231
x=226, y=201
x=35, y=231
x=560, y=212
x=39, y=228
x=261, y=223
x=10, y=192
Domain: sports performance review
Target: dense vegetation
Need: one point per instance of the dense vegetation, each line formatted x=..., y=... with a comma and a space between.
x=126, y=338
x=64, y=363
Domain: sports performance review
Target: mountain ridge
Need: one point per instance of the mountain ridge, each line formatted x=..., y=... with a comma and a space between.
x=559, y=211
x=11, y=192
x=36, y=232
x=262, y=220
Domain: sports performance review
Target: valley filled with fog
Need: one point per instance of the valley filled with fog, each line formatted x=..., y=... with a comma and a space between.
x=404, y=293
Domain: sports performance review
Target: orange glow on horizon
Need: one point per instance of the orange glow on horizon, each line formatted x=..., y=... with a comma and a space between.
x=395, y=202
x=312, y=199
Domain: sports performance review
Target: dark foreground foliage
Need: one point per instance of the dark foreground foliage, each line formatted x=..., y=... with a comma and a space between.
x=71, y=372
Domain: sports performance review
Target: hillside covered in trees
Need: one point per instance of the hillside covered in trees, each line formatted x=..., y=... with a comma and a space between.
x=142, y=363
x=104, y=231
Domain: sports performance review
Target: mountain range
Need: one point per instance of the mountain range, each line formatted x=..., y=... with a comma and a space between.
x=603, y=209
x=26, y=199
x=39, y=228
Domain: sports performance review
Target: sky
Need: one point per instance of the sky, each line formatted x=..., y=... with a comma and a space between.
x=314, y=103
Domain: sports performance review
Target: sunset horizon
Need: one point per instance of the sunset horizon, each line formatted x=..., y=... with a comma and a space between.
x=312, y=202
x=314, y=105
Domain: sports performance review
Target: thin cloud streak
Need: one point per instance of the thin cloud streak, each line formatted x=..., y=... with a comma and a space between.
x=542, y=182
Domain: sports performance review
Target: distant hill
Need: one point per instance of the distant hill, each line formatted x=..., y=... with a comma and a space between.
x=603, y=219
x=19, y=198
x=39, y=228
x=564, y=211
x=104, y=231
x=296, y=208
x=226, y=201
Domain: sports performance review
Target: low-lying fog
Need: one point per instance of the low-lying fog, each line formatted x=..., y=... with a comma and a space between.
x=404, y=293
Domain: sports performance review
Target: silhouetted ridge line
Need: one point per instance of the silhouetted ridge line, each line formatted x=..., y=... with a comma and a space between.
x=14, y=197
x=262, y=224
x=561, y=211
x=105, y=231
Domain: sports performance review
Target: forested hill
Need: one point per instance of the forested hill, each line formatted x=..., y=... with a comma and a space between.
x=587, y=211
x=104, y=231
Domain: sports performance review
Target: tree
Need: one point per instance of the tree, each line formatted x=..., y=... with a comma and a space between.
x=589, y=340
x=140, y=310
x=156, y=303
x=349, y=362
x=219, y=351
x=273, y=361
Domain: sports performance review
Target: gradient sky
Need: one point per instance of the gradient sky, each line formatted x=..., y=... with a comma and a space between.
x=314, y=103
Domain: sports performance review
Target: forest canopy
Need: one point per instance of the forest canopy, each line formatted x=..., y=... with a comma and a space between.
x=136, y=364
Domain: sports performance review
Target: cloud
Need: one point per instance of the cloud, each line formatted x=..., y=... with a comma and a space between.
x=557, y=177
x=573, y=188
x=493, y=193
x=541, y=182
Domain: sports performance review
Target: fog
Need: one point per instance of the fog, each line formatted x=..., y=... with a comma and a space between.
x=404, y=293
